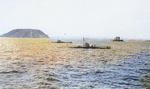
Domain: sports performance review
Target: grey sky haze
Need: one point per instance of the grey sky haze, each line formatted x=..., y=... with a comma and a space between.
x=78, y=18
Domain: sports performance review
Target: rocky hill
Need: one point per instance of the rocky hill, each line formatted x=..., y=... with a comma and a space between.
x=25, y=33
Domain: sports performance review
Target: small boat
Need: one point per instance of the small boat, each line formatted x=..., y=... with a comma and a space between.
x=118, y=39
x=59, y=41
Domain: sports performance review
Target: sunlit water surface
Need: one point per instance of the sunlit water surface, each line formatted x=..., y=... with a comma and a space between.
x=87, y=74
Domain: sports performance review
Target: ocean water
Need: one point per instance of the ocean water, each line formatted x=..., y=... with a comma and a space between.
x=123, y=74
x=74, y=70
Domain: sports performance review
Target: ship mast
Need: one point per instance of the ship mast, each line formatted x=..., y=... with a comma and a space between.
x=83, y=41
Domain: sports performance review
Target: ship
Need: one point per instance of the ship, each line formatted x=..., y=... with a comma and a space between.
x=88, y=46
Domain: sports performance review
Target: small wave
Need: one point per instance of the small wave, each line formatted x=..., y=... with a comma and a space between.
x=98, y=71
x=13, y=71
x=52, y=79
x=53, y=74
x=145, y=69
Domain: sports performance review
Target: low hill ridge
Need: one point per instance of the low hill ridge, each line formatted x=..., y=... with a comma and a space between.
x=25, y=33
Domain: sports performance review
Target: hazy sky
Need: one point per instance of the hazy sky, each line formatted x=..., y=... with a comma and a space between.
x=78, y=18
